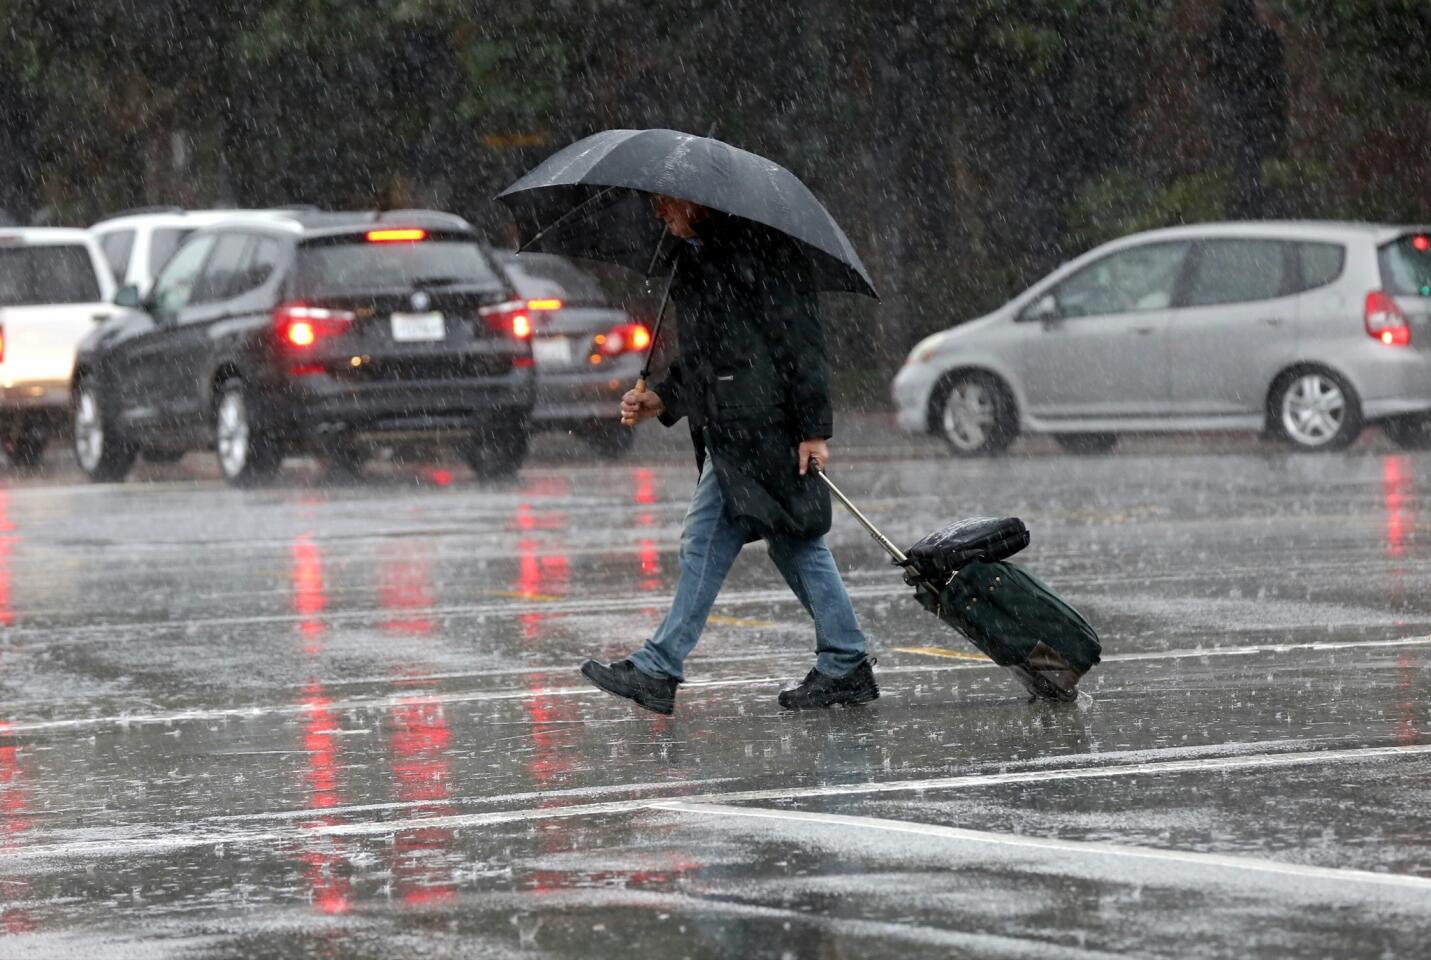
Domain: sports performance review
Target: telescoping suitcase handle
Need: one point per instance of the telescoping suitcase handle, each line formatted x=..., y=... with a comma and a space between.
x=864, y=521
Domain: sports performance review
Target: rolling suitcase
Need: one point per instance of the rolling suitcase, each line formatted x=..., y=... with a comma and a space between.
x=961, y=574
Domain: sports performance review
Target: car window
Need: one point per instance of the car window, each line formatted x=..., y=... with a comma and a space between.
x=117, y=245
x=1321, y=263
x=175, y=286
x=51, y=273
x=1236, y=270
x=1139, y=278
x=358, y=266
x=261, y=264
x=221, y=272
x=538, y=275
x=162, y=246
x=1406, y=266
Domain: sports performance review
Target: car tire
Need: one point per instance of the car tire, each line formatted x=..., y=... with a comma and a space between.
x=100, y=449
x=611, y=443
x=974, y=414
x=1409, y=433
x=27, y=448
x=247, y=454
x=497, y=454
x=1086, y=444
x=1315, y=410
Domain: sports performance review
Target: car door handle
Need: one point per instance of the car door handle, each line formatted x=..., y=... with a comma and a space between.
x=1272, y=321
x=1143, y=331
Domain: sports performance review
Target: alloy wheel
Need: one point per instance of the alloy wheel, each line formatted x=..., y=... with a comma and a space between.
x=88, y=431
x=232, y=433
x=1313, y=410
x=969, y=415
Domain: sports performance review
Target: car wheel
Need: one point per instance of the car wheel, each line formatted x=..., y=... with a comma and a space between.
x=611, y=443
x=27, y=447
x=163, y=456
x=1315, y=409
x=100, y=450
x=1409, y=433
x=246, y=455
x=496, y=454
x=976, y=415
x=1086, y=443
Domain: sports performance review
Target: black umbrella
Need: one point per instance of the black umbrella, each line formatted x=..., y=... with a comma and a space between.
x=592, y=200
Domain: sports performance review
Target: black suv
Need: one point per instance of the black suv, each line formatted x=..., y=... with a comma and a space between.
x=330, y=333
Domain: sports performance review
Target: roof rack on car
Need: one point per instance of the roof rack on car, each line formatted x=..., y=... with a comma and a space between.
x=136, y=211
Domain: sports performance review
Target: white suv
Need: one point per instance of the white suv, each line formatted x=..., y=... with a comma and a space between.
x=137, y=243
x=54, y=288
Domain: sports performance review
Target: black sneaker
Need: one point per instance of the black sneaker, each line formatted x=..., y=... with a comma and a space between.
x=818, y=691
x=623, y=679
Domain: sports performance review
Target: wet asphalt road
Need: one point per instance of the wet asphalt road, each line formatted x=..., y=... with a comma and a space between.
x=345, y=721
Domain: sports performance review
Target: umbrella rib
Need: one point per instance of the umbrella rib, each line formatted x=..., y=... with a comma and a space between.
x=561, y=219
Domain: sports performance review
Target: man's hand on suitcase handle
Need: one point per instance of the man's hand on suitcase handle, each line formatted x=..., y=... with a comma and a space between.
x=814, y=453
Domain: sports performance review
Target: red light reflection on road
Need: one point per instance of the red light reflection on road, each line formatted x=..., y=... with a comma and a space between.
x=14, y=821
x=8, y=539
x=325, y=865
x=1398, y=475
x=422, y=872
x=309, y=598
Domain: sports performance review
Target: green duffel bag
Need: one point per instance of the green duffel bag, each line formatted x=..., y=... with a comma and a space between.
x=1019, y=622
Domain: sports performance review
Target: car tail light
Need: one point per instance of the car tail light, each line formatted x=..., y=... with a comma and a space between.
x=2, y=344
x=1385, y=321
x=301, y=326
x=512, y=318
x=398, y=235
x=1421, y=243
x=626, y=338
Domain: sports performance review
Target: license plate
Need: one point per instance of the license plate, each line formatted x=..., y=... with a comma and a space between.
x=551, y=351
x=419, y=326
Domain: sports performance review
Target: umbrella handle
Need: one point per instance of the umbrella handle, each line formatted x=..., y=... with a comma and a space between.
x=640, y=388
x=864, y=521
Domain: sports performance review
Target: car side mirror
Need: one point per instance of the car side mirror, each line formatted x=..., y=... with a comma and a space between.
x=128, y=296
x=1044, y=309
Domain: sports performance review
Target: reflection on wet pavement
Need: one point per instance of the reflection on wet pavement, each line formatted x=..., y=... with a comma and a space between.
x=346, y=722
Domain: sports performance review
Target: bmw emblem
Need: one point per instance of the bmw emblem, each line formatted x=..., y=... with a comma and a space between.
x=420, y=301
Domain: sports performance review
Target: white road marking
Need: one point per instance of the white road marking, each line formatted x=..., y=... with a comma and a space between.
x=1076, y=848
x=146, y=838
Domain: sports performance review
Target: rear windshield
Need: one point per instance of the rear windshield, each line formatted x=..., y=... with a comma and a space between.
x=357, y=266
x=538, y=275
x=1406, y=266
x=47, y=274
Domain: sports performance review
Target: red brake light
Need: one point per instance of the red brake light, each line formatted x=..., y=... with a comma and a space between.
x=1421, y=242
x=626, y=338
x=1385, y=321
x=398, y=235
x=509, y=318
x=300, y=325
x=549, y=304
x=2, y=344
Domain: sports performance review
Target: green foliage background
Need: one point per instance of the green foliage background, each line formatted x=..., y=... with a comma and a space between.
x=966, y=145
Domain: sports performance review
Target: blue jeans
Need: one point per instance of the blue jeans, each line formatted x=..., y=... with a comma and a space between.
x=710, y=543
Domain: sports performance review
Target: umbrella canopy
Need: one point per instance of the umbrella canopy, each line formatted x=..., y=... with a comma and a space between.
x=592, y=200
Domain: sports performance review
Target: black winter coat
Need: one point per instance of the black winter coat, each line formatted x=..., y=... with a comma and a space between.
x=751, y=376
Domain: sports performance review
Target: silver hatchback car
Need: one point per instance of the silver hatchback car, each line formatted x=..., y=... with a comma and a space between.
x=1307, y=330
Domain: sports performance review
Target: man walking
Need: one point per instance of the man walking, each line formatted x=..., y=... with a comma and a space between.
x=752, y=380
